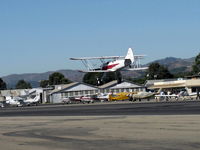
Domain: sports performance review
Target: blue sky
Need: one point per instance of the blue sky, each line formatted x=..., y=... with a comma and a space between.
x=40, y=35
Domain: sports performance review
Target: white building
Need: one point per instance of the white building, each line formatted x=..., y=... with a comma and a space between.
x=74, y=89
x=81, y=89
x=191, y=85
x=124, y=86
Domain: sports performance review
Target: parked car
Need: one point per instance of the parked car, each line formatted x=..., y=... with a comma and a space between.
x=66, y=101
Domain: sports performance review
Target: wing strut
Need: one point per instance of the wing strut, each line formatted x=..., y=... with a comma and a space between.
x=86, y=64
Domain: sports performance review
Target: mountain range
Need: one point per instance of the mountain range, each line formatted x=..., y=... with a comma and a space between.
x=174, y=65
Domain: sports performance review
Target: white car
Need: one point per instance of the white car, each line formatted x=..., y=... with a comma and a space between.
x=2, y=105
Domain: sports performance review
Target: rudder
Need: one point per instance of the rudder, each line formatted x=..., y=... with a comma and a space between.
x=130, y=55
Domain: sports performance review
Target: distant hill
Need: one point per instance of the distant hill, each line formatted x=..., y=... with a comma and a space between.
x=35, y=78
x=174, y=65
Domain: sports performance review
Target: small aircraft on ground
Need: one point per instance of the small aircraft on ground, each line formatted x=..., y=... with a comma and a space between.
x=182, y=95
x=19, y=101
x=32, y=101
x=81, y=99
x=103, y=97
x=13, y=101
x=85, y=99
x=118, y=63
x=175, y=94
x=141, y=95
x=120, y=96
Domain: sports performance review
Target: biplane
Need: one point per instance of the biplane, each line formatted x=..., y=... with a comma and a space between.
x=116, y=63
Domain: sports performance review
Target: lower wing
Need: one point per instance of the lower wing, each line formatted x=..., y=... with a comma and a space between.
x=135, y=69
x=86, y=71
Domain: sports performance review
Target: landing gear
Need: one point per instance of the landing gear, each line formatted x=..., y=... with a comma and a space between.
x=118, y=76
x=106, y=77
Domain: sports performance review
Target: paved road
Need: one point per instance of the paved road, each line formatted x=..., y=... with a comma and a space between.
x=114, y=108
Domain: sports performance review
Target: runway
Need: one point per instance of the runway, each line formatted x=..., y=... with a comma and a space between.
x=104, y=109
x=113, y=126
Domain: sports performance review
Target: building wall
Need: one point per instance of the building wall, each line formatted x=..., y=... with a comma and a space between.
x=2, y=98
x=118, y=90
x=190, y=85
x=57, y=97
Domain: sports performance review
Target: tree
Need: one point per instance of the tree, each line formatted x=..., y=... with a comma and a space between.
x=92, y=78
x=21, y=84
x=97, y=78
x=110, y=76
x=196, y=66
x=44, y=83
x=140, y=80
x=157, y=71
x=58, y=78
x=2, y=85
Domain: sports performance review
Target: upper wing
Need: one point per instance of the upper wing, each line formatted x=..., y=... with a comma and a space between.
x=106, y=57
x=103, y=57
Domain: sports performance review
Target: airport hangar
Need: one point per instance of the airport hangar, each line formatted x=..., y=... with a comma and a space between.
x=78, y=89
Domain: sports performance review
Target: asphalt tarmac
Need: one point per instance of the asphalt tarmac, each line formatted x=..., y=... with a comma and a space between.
x=113, y=126
x=113, y=108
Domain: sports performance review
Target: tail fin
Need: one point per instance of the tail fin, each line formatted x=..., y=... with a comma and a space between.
x=130, y=55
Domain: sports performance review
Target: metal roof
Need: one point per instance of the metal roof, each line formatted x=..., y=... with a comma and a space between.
x=125, y=84
x=151, y=82
x=109, y=84
x=75, y=86
x=64, y=86
x=115, y=85
x=82, y=87
x=176, y=84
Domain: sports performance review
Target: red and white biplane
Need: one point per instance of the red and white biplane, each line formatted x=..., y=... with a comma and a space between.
x=117, y=63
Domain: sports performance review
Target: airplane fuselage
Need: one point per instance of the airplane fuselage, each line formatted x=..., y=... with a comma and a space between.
x=114, y=65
